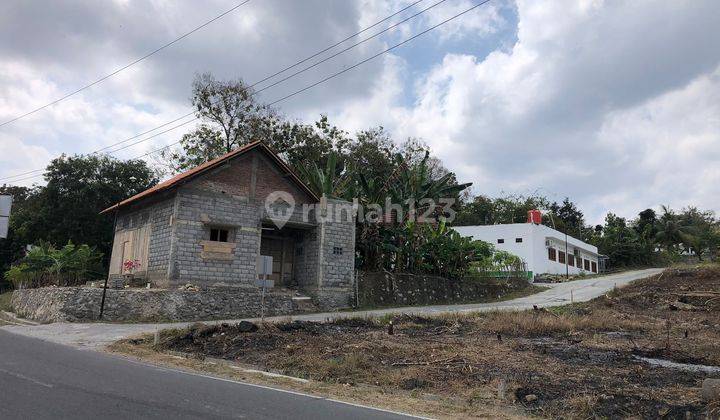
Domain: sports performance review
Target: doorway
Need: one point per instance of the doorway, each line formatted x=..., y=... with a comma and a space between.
x=280, y=245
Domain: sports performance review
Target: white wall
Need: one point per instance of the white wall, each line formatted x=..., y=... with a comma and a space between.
x=532, y=249
x=545, y=265
x=509, y=232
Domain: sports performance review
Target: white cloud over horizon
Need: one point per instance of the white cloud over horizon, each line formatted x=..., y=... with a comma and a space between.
x=585, y=104
x=613, y=104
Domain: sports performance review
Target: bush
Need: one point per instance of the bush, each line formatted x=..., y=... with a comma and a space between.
x=44, y=265
x=431, y=249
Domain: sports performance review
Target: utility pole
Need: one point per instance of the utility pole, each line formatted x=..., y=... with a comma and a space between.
x=567, y=270
x=102, y=301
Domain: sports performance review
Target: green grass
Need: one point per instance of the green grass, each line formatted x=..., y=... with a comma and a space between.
x=5, y=301
x=5, y=304
x=531, y=289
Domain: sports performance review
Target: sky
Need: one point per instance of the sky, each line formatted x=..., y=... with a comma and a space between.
x=615, y=104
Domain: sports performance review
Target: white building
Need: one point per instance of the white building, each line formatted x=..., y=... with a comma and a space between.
x=543, y=249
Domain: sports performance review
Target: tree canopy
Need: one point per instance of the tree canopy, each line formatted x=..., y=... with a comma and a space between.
x=368, y=166
x=648, y=239
x=67, y=209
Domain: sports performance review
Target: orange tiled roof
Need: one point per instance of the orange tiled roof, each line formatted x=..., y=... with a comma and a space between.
x=187, y=175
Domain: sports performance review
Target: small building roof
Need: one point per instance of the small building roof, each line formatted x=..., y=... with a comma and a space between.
x=200, y=169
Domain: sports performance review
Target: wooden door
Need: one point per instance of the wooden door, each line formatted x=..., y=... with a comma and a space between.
x=281, y=249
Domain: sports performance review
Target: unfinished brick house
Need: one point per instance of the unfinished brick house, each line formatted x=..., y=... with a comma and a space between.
x=209, y=225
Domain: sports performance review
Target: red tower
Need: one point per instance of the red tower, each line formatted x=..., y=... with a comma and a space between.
x=534, y=216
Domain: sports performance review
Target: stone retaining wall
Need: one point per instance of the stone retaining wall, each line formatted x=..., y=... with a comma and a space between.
x=401, y=289
x=81, y=304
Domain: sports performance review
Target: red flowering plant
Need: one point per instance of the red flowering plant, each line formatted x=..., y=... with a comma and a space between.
x=131, y=265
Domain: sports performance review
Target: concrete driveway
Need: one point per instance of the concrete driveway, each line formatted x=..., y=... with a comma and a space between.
x=98, y=335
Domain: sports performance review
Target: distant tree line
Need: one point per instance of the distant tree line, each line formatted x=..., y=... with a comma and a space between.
x=67, y=209
x=650, y=238
x=368, y=165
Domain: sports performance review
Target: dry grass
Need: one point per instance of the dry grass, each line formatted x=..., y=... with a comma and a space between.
x=412, y=402
x=543, y=323
x=577, y=362
x=5, y=301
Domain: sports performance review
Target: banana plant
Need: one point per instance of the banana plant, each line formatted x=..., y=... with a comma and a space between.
x=330, y=181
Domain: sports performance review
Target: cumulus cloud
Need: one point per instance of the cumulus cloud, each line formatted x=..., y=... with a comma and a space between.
x=53, y=48
x=593, y=101
x=671, y=142
x=614, y=104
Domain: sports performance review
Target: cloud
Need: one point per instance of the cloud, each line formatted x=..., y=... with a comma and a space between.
x=51, y=49
x=561, y=112
x=34, y=157
x=589, y=99
x=673, y=142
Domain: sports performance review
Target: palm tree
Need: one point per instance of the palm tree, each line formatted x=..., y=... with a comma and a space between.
x=415, y=185
x=671, y=231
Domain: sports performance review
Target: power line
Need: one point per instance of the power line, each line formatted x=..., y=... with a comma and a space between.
x=359, y=63
x=107, y=76
x=22, y=173
x=153, y=136
x=334, y=74
x=26, y=178
x=337, y=43
x=110, y=146
x=298, y=63
x=293, y=74
x=395, y=25
x=378, y=54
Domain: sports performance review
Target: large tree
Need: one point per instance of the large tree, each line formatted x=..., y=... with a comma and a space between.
x=508, y=208
x=672, y=232
x=68, y=207
x=230, y=116
x=619, y=241
x=569, y=219
x=702, y=236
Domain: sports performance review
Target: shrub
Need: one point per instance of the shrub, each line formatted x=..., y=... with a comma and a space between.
x=433, y=249
x=44, y=265
x=426, y=248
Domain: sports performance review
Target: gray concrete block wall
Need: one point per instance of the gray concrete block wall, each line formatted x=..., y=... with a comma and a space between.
x=197, y=211
x=324, y=258
x=337, y=250
x=338, y=254
x=306, y=262
x=82, y=304
x=159, y=246
x=158, y=216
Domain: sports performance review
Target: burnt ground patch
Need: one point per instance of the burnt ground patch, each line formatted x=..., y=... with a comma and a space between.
x=573, y=362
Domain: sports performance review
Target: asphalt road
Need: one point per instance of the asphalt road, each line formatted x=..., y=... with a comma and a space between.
x=43, y=380
x=98, y=335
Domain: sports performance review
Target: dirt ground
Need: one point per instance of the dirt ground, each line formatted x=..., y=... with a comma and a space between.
x=578, y=361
